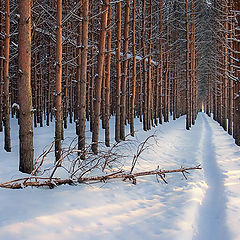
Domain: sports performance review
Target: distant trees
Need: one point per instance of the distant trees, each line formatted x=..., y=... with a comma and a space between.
x=89, y=60
x=223, y=79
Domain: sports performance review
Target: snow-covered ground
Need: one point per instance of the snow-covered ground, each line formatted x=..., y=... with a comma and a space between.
x=204, y=207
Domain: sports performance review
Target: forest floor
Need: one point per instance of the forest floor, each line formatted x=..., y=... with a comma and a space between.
x=206, y=206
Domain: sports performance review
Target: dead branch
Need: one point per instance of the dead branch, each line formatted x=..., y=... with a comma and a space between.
x=134, y=175
x=52, y=182
x=141, y=148
x=43, y=155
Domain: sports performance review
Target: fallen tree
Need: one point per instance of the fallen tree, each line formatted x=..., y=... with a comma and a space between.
x=34, y=181
x=108, y=161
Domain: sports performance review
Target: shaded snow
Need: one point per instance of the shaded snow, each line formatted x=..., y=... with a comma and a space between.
x=204, y=207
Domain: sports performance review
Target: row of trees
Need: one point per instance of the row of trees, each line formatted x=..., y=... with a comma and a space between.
x=89, y=60
x=223, y=79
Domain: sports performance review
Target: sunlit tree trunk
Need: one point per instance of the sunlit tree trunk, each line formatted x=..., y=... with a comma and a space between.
x=140, y=82
x=83, y=79
x=108, y=78
x=193, y=64
x=118, y=70
x=188, y=119
x=58, y=100
x=66, y=80
x=237, y=92
x=1, y=67
x=6, y=98
x=34, y=87
x=134, y=70
x=156, y=106
x=225, y=74
x=78, y=72
x=149, y=79
x=92, y=66
x=230, y=107
x=215, y=101
x=98, y=77
x=103, y=90
x=49, y=95
x=125, y=70
x=167, y=76
x=160, y=63
x=144, y=67
x=208, y=102
x=24, y=87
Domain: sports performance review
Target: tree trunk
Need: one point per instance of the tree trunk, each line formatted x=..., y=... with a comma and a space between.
x=83, y=79
x=66, y=82
x=48, y=105
x=6, y=98
x=144, y=68
x=58, y=101
x=149, y=79
x=188, y=119
x=125, y=70
x=225, y=77
x=134, y=76
x=1, y=67
x=230, y=119
x=118, y=66
x=24, y=88
x=102, y=111
x=78, y=74
x=108, y=77
x=92, y=70
x=167, y=78
x=193, y=61
x=140, y=92
x=160, y=63
x=98, y=77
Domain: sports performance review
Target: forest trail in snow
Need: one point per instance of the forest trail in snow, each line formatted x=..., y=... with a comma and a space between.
x=212, y=214
x=205, y=206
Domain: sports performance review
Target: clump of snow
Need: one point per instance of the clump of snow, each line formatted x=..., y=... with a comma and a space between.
x=15, y=105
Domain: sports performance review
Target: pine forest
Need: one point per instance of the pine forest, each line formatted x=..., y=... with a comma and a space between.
x=109, y=70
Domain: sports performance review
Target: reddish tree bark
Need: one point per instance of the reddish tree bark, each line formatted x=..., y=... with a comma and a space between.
x=125, y=70
x=118, y=78
x=188, y=109
x=107, y=79
x=83, y=79
x=149, y=78
x=225, y=73
x=231, y=68
x=144, y=69
x=58, y=100
x=193, y=63
x=98, y=77
x=1, y=67
x=24, y=88
x=134, y=77
x=6, y=98
x=160, y=63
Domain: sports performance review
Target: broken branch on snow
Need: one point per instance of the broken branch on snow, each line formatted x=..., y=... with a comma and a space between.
x=52, y=182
